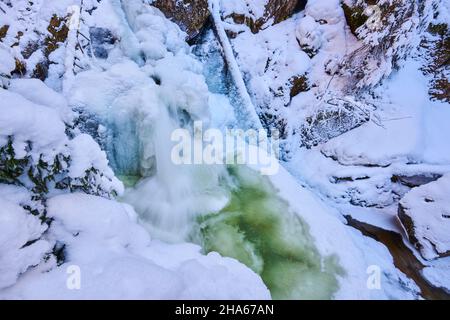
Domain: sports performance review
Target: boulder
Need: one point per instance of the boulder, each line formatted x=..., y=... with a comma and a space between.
x=425, y=214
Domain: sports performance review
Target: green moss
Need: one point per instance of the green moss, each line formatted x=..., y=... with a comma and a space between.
x=258, y=229
x=11, y=168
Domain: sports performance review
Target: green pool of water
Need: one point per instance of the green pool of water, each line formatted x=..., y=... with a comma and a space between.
x=259, y=229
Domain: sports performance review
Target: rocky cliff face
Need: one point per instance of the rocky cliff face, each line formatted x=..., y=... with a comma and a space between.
x=388, y=31
x=264, y=15
x=190, y=15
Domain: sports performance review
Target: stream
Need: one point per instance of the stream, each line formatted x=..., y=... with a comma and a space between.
x=404, y=258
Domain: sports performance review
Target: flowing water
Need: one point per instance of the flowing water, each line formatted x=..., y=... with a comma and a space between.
x=258, y=228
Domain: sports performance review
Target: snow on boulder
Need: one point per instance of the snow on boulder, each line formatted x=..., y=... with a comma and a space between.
x=329, y=11
x=30, y=122
x=425, y=215
x=309, y=35
x=19, y=231
x=116, y=259
x=86, y=154
x=38, y=92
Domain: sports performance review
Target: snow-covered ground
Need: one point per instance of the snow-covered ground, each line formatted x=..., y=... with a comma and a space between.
x=70, y=230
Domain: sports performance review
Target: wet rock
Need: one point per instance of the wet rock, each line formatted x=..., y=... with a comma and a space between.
x=404, y=258
x=190, y=15
x=425, y=214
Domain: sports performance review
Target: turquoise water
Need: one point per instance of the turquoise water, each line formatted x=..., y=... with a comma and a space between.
x=258, y=229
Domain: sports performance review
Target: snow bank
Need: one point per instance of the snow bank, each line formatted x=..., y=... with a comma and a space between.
x=35, y=117
x=438, y=275
x=36, y=91
x=117, y=260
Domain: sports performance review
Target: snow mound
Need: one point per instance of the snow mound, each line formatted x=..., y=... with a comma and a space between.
x=28, y=121
x=19, y=231
x=117, y=260
x=328, y=10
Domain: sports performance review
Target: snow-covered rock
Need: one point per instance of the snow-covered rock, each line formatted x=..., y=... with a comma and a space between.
x=328, y=11
x=425, y=214
x=20, y=244
x=309, y=35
